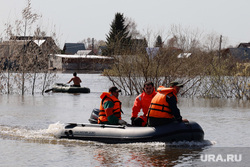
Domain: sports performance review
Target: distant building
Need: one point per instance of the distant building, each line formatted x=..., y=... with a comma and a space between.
x=238, y=53
x=170, y=51
x=66, y=62
x=244, y=45
x=12, y=50
x=241, y=53
x=101, y=49
x=84, y=52
x=184, y=55
x=73, y=48
x=152, y=52
x=44, y=43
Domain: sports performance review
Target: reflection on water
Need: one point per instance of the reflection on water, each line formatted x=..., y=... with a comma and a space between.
x=150, y=154
x=135, y=154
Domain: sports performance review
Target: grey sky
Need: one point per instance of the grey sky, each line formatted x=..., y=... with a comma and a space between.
x=79, y=19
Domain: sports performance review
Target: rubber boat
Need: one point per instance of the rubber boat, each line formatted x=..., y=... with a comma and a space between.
x=60, y=87
x=113, y=134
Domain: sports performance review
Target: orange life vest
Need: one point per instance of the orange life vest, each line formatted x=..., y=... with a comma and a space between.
x=159, y=107
x=143, y=102
x=116, y=109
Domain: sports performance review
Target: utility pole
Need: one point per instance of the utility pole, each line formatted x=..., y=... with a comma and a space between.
x=24, y=55
x=93, y=45
x=220, y=42
x=220, y=49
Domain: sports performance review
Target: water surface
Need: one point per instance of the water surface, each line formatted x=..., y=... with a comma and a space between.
x=27, y=125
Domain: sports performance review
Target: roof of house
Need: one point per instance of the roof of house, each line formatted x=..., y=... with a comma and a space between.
x=77, y=56
x=41, y=41
x=184, y=55
x=29, y=38
x=72, y=48
x=83, y=52
x=244, y=45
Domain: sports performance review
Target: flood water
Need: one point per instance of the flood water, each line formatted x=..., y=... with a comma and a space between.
x=27, y=125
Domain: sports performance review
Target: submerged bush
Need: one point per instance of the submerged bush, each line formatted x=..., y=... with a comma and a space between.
x=204, y=74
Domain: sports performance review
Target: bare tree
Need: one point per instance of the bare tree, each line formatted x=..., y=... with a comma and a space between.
x=25, y=56
x=185, y=38
x=203, y=73
x=132, y=27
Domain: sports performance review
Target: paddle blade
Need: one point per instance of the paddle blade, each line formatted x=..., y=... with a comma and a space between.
x=48, y=90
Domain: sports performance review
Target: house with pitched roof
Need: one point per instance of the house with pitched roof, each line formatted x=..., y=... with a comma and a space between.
x=73, y=48
x=79, y=62
x=241, y=53
x=33, y=48
x=44, y=43
x=244, y=45
x=76, y=57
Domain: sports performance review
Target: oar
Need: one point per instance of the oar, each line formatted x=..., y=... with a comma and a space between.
x=48, y=90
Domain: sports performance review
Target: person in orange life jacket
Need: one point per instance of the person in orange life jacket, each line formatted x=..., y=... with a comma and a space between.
x=142, y=102
x=76, y=80
x=163, y=108
x=110, y=108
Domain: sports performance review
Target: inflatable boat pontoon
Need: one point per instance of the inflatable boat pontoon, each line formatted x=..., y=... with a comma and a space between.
x=174, y=131
x=127, y=134
x=59, y=87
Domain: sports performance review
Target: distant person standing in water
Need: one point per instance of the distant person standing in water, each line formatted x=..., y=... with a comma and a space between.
x=76, y=80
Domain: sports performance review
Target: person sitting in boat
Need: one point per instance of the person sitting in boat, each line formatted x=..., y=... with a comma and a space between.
x=110, y=108
x=142, y=102
x=163, y=108
x=76, y=80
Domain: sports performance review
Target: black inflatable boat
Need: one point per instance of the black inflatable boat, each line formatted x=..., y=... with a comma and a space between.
x=60, y=87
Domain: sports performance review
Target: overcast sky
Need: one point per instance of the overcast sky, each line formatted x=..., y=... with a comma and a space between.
x=76, y=20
